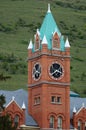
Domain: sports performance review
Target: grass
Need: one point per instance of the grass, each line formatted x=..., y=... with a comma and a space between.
x=19, y=20
x=16, y=82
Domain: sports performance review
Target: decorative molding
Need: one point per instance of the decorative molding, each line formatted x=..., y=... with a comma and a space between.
x=47, y=54
x=46, y=82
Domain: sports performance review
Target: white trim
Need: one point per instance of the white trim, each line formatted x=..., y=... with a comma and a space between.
x=44, y=41
x=24, y=126
x=80, y=109
x=74, y=110
x=49, y=11
x=30, y=46
x=11, y=102
x=23, y=106
x=67, y=43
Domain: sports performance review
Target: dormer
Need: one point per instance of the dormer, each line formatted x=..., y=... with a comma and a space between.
x=37, y=41
x=55, y=41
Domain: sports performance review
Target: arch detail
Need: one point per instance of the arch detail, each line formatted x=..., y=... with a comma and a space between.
x=52, y=114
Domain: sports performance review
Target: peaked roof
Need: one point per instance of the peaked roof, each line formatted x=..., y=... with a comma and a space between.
x=77, y=103
x=48, y=28
x=23, y=95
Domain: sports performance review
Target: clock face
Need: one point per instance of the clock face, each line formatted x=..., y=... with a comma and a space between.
x=36, y=71
x=56, y=70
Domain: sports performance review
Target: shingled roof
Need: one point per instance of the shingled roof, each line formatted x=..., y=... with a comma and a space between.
x=20, y=96
x=75, y=101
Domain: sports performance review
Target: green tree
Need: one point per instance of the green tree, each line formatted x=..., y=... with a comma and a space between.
x=2, y=102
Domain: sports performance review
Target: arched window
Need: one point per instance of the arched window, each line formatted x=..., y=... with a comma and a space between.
x=55, y=41
x=59, y=121
x=85, y=125
x=79, y=125
x=37, y=41
x=16, y=121
x=51, y=121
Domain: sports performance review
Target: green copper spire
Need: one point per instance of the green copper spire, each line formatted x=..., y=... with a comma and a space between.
x=46, y=34
x=49, y=27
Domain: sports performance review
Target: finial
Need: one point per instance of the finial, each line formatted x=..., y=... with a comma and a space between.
x=83, y=105
x=30, y=46
x=38, y=31
x=67, y=43
x=13, y=98
x=49, y=8
x=74, y=110
x=44, y=41
x=23, y=106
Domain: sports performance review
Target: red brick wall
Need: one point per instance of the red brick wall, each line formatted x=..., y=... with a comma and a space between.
x=13, y=109
x=80, y=115
x=60, y=87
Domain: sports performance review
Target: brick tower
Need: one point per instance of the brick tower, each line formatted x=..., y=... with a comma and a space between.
x=49, y=76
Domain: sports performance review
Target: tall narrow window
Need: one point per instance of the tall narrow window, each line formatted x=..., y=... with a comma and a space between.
x=52, y=122
x=59, y=123
x=53, y=99
x=79, y=125
x=37, y=41
x=36, y=100
x=16, y=121
x=85, y=125
x=56, y=43
x=58, y=99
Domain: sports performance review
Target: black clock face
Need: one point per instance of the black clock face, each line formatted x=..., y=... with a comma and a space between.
x=36, y=71
x=56, y=70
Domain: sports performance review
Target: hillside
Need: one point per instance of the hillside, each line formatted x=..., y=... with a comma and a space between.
x=19, y=20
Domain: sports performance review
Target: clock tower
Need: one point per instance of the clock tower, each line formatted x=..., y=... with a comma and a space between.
x=49, y=76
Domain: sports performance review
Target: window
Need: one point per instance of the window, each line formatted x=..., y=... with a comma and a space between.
x=85, y=125
x=58, y=99
x=37, y=41
x=37, y=100
x=37, y=45
x=55, y=44
x=55, y=99
x=79, y=125
x=55, y=40
x=16, y=121
x=59, y=123
x=52, y=122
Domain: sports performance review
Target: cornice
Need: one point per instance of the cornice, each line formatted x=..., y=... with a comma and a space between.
x=47, y=54
x=46, y=82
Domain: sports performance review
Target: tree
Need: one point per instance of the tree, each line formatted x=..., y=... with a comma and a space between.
x=5, y=120
x=2, y=102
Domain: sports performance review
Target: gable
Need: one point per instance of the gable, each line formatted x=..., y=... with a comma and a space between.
x=81, y=113
x=13, y=106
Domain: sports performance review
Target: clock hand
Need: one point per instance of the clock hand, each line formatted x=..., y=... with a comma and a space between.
x=38, y=72
x=54, y=72
x=39, y=69
x=59, y=71
x=59, y=68
x=34, y=70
